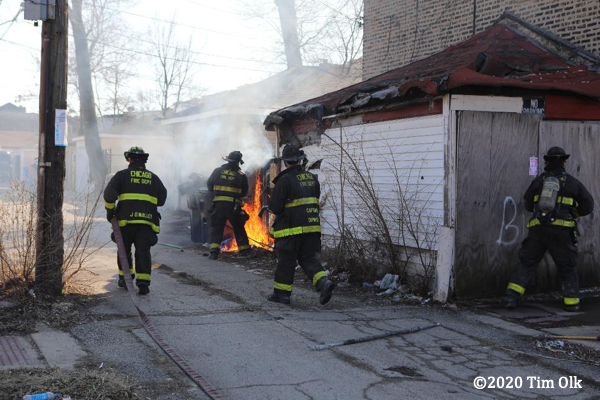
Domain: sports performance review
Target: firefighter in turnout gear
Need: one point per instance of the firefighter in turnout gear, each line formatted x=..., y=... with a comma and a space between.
x=133, y=195
x=228, y=184
x=297, y=228
x=556, y=200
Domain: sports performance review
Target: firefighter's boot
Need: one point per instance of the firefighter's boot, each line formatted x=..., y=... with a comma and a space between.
x=512, y=300
x=572, y=307
x=121, y=282
x=214, y=255
x=325, y=286
x=143, y=289
x=282, y=297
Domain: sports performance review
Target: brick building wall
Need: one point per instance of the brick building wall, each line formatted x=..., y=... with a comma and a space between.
x=397, y=32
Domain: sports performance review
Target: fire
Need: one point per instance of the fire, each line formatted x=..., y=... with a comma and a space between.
x=256, y=227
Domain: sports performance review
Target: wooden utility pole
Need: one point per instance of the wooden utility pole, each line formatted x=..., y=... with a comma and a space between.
x=51, y=160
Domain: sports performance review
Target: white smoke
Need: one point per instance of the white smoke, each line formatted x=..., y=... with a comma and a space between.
x=206, y=141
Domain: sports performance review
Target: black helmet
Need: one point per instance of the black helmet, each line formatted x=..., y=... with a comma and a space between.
x=234, y=156
x=135, y=152
x=292, y=153
x=556, y=154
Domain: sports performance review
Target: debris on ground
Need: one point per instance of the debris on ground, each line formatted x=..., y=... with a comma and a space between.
x=568, y=350
x=389, y=281
x=81, y=383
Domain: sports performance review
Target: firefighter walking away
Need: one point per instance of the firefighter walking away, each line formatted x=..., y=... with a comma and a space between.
x=556, y=199
x=133, y=195
x=228, y=184
x=297, y=228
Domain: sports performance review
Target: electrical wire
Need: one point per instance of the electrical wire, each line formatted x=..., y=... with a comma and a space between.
x=190, y=51
x=194, y=27
x=12, y=21
x=156, y=56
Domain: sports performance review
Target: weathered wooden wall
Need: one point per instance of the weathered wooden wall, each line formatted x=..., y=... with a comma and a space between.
x=493, y=160
x=493, y=174
x=582, y=141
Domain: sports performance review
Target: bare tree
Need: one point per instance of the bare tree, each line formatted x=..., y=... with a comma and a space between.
x=87, y=103
x=175, y=64
x=115, y=74
x=289, y=32
x=327, y=30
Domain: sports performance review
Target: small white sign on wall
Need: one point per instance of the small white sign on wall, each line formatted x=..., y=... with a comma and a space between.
x=60, y=128
x=533, y=166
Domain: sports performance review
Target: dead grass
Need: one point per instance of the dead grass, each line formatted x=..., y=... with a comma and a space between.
x=80, y=384
x=61, y=313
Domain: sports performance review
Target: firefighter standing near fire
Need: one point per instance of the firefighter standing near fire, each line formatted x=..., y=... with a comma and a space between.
x=297, y=228
x=556, y=199
x=228, y=184
x=139, y=192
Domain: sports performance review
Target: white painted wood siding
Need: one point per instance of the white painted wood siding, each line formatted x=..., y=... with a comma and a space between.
x=402, y=160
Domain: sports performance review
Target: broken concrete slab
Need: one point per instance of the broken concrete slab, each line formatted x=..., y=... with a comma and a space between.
x=58, y=348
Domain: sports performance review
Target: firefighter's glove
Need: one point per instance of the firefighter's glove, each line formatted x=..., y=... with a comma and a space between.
x=244, y=216
x=110, y=214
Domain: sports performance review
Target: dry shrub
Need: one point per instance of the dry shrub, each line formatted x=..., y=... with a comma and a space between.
x=17, y=235
x=18, y=224
x=80, y=384
x=397, y=233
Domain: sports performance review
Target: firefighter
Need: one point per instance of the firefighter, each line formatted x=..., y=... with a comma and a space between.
x=139, y=192
x=228, y=184
x=297, y=228
x=556, y=200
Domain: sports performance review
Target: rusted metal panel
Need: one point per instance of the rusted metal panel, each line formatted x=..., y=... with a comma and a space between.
x=500, y=57
x=573, y=108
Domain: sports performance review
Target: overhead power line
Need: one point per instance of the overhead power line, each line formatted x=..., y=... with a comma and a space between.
x=191, y=51
x=184, y=25
x=12, y=21
x=156, y=56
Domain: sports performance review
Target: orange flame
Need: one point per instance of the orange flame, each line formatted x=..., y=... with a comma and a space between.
x=256, y=227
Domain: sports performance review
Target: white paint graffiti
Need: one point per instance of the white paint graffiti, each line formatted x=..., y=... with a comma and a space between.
x=509, y=202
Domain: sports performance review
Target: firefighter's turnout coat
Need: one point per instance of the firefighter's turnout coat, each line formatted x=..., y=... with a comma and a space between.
x=297, y=226
x=137, y=193
x=555, y=232
x=295, y=203
x=228, y=184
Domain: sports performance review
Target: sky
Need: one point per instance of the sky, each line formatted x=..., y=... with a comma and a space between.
x=234, y=49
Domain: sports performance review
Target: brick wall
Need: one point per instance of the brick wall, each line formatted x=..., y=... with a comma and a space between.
x=397, y=32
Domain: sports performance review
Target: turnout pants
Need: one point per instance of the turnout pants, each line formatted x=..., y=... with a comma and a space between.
x=559, y=242
x=143, y=238
x=223, y=212
x=294, y=250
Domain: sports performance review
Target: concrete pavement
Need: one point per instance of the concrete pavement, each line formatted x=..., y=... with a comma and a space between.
x=215, y=315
